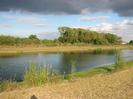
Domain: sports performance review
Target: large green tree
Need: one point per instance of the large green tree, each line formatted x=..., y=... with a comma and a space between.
x=78, y=35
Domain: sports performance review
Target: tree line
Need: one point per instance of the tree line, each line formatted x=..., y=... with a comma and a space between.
x=67, y=36
x=31, y=40
x=131, y=42
x=77, y=35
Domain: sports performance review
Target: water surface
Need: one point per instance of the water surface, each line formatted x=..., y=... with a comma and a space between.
x=15, y=66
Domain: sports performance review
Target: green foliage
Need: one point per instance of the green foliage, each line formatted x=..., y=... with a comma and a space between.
x=31, y=40
x=50, y=42
x=131, y=42
x=67, y=36
x=119, y=63
x=9, y=40
x=77, y=35
x=73, y=66
x=35, y=76
x=33, y=37
x=92, y=72
x=98, y=51
x=104, y=69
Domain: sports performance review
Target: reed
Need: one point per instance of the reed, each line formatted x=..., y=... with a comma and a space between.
x=35, y=76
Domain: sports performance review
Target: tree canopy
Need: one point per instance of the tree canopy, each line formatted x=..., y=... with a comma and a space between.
x=10, y=40
x=78, y=35
x=131, y=42
x=33, y=37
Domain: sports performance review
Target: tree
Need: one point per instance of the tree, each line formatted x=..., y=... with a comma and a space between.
x=77, y=35
x=131, y=42
x=33, y=37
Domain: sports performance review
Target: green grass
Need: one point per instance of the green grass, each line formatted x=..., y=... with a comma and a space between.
x=104, y=69
x=35, y=76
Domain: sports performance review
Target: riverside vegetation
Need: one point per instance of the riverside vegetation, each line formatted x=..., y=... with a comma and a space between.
x=68, y=36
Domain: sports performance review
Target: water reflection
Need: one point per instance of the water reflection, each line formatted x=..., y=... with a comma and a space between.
x=14, y=67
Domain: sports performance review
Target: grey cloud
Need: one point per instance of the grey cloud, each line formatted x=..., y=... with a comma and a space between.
x=39, y=6
x=121, y=7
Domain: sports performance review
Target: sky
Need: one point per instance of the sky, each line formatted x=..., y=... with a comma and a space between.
x=43, y=17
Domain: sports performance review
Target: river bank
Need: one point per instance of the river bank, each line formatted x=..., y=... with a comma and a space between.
x=118, y=85
x=10, y=50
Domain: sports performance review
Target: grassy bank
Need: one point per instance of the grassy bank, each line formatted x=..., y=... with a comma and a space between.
x=119, y=64
x=116, y=85
x=14, y=50
x=104, y=69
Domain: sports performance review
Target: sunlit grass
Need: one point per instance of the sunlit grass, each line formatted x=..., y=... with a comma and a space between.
x=13, y=50
x=8, y=85
x=35, y=76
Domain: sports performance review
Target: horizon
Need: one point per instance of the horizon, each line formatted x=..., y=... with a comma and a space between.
x=43, y=17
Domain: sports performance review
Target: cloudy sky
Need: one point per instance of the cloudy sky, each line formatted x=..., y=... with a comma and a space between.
x=43, y=17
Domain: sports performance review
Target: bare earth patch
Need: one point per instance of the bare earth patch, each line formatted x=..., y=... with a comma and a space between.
x=118, y=85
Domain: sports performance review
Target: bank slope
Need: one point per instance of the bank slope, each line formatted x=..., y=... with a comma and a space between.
x=117, y=85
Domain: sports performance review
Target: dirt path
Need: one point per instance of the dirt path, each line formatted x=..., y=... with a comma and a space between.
x=111, y=86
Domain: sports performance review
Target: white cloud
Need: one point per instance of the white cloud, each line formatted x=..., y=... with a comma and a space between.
x=128, y=22
x=24, y=19
x=8, y=16
x=102, y=27
x=48, y=35
x=5, y=26
x=39, y=25
x=98, y=18
x=123, y=29
x=29, y=19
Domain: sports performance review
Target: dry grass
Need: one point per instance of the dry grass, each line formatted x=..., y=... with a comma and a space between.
x=118, y=85
x=7, y=50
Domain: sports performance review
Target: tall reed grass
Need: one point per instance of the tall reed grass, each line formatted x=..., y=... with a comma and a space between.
x=119, y=61
x=35, y=76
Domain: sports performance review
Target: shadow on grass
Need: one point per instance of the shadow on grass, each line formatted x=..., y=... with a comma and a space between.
x=33, y=97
